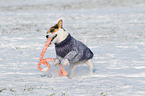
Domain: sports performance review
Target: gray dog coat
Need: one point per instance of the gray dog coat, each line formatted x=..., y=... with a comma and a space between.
x=73, y=50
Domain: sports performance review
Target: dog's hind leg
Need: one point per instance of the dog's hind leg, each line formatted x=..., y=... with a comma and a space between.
x=90, y=65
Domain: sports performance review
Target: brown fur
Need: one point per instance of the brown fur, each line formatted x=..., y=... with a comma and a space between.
x=55, y=28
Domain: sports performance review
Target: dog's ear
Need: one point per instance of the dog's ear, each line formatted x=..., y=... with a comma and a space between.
x=60, y=23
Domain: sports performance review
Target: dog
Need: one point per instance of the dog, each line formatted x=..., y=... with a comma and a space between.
x=69, y=51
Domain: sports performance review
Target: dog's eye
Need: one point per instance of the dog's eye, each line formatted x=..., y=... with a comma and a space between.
x=51, y=30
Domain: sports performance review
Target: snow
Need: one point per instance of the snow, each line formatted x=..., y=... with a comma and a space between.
x=113, y=30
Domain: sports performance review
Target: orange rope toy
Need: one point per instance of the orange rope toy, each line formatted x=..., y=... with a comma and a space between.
x=43, y=61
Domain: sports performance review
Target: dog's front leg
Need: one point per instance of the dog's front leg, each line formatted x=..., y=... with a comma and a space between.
x=58, y=59
x=72, y=67
x=69, y=58
x=65, y=62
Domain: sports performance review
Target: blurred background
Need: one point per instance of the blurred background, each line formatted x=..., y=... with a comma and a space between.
x=114, y=20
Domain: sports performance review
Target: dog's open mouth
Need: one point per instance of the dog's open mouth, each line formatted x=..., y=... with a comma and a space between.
x=53, y=37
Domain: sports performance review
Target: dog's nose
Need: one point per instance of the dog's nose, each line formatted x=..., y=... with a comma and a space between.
x=47, y=36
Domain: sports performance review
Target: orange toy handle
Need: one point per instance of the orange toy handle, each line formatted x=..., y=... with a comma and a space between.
x=63, y=70
x=45, y=48
x=43, y=61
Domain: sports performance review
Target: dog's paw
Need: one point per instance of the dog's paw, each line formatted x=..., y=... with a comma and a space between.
x=56, y=62
x=65, y=62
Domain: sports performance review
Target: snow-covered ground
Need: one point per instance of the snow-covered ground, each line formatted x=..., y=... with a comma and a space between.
x=113, y=29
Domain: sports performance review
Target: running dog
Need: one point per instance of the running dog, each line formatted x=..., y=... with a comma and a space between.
x=69, y=50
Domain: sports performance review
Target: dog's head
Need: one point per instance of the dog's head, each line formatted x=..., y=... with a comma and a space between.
x=56, y=32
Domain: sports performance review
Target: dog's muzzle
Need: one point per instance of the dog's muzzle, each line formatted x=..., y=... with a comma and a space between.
x=47, y=36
